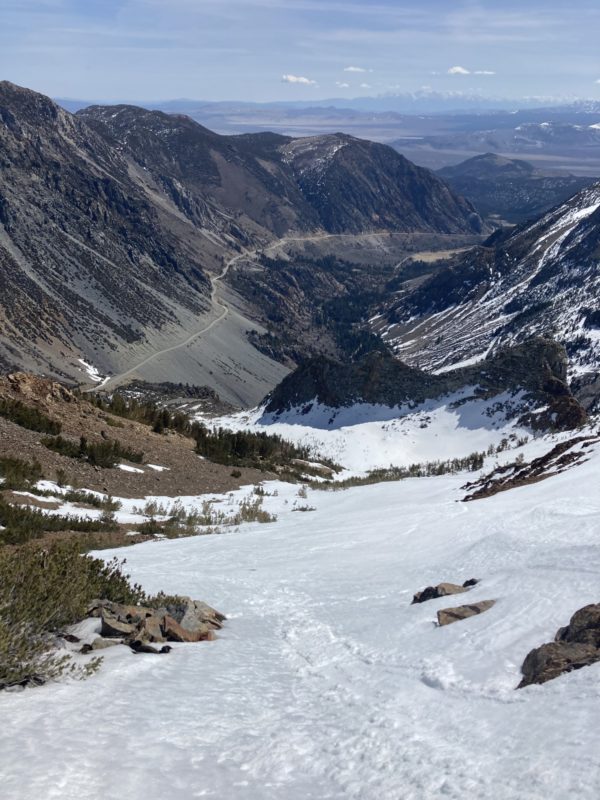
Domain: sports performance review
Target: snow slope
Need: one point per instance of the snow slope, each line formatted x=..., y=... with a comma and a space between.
x=326, y=684
x=363, y=437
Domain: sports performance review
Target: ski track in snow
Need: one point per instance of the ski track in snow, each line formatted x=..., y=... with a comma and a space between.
x=326, y=684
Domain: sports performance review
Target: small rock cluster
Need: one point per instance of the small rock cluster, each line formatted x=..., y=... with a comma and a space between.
x=443, y=589
x=576, y=645
x=446, y=616
x=140, y=626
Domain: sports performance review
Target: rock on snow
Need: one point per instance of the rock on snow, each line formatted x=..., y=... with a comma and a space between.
x=327, y=683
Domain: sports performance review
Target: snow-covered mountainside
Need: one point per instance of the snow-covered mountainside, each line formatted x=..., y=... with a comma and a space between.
x=542, y=279
x=326, y=682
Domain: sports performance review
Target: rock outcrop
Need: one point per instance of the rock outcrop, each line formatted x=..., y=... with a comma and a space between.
x=537, y=369
x=575, y=646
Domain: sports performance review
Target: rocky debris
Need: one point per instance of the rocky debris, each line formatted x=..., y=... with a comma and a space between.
x=446, y=616
x=509, y=476
x=575, y=646
x=442, y=589
x=185, y=620
x=32, y=387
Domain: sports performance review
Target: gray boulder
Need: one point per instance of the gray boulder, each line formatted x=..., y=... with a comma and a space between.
x=441, y=590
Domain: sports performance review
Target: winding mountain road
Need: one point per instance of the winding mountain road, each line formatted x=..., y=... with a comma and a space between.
x=116, y=380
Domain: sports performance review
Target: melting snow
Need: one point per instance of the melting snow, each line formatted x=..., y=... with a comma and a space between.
x=325, y=681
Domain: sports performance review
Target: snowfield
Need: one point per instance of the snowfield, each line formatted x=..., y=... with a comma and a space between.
x=326, y=684
x=365, y=437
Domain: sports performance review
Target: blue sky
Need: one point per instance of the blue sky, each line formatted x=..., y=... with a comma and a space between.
x=299, y=49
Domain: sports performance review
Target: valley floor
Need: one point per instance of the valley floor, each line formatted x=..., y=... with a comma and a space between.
x=325, y=683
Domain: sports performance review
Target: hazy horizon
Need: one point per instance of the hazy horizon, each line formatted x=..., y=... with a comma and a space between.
x=285, y=50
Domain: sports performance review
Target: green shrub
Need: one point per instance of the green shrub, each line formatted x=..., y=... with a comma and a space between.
x=245, y=448
x=105, y=454
x=28, y=417
x=42, y=590
x=18, y=474
x=22, y=523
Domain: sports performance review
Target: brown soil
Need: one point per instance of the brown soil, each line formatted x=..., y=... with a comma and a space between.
x=186, y=473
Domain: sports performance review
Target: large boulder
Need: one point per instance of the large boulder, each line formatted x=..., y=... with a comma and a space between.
x=174, y=632
x=446, y=616
x=112, y=625
x=556, y=658
x=583, y=628
x=576, y=645
x=195, y=615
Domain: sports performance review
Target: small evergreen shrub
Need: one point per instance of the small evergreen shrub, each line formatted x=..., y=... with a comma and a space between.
x=28, y=417
x=105, y=454
x=21, y=524
x=42, y=590
x=18, y=474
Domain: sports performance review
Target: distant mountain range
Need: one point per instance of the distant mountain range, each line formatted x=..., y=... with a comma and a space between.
x=420, y=101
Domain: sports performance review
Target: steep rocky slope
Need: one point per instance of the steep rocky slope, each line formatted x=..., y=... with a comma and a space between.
x=113, y=220
x=335, y=183
x=540, y=279
x=86, y=260
x=531, y=379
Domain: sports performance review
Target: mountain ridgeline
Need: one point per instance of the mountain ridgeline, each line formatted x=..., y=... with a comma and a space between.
x=529, y=381
x=113, y=220
x=540, y=279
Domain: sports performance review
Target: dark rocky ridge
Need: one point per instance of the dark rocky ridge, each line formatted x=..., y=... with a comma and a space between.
x=334, y=183
x=539, y=367
x=509, y=188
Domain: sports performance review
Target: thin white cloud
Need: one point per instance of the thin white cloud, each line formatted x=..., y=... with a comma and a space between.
x=484, y=72
x=355, y=69
x=365, y=86
x=598, y=81
x=342, y=85
x=298, y=79
x=459, y=71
